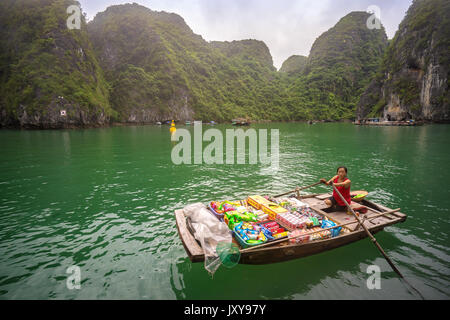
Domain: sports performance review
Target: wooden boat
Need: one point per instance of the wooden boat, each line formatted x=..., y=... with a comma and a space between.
x=240, y=122
x=285, y=251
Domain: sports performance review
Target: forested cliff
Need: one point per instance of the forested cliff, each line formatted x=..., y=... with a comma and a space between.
x=131, y=64
x=413, y=78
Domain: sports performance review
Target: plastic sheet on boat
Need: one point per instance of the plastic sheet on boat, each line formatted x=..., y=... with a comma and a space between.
x=209, y=231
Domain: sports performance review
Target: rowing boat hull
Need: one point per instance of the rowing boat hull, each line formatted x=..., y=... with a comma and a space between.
x=291, y=252
x=285, y=251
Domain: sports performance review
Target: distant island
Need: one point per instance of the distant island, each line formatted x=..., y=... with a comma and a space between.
x=133, y=65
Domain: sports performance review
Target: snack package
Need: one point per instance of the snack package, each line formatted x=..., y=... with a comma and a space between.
x=291, y=221
x=262, y=237
x=267, y=233
x=320, y=235
x=217, y=206
x=228, y=207
x=255, y=242
x=241, y=209
x=243, y=234
x=328, y=224
x=297, y=235
x=280, y=235
x=270, y=224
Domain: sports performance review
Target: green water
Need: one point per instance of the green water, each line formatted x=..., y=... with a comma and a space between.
x=103, y=199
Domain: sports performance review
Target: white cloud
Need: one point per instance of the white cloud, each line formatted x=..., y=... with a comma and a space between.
x=288, y=27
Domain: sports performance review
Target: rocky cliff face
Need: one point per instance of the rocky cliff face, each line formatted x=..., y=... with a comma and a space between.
x=49, y=76
x=413, y=80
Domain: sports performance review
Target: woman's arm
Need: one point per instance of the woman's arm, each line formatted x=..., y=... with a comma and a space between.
x=331, y=180
x=327, y=182
x=346, y=184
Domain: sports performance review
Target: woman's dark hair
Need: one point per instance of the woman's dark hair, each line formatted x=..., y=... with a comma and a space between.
x=345, y=168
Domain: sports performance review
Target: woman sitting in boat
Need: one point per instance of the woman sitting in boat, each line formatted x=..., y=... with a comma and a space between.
x=342, y=183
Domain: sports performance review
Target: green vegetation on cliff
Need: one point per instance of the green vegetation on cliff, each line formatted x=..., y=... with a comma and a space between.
x=246, y=50
x=339, y=67
x=45, y=67
x=159, y=68
x=413, y=78
x=133, y=64
x=294, y=64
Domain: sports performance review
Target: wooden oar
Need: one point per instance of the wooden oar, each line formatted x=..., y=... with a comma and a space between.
x=298, y=189
x=311, y=195
x=375, y=241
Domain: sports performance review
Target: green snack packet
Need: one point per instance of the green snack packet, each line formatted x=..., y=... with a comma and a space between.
x=254, y=241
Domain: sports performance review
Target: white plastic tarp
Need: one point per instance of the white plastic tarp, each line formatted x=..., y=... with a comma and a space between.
x=209, y=231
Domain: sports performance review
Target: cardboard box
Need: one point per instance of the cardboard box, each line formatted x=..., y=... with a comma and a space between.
x=257, y=201
x=273, y=210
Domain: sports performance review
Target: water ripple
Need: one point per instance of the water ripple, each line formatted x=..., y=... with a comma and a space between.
x=104, y=199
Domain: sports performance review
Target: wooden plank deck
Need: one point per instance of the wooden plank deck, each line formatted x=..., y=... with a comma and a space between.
x=194, y=251
x=342, y=216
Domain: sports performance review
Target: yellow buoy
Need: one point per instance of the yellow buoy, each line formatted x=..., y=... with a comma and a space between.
x=172, y=127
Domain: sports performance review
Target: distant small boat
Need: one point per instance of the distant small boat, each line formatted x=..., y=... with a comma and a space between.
x=188, y=123
x=240, y=122
x=158, y=123
x=213, y=123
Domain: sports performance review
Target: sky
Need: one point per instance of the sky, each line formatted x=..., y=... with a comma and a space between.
x=288, y=27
